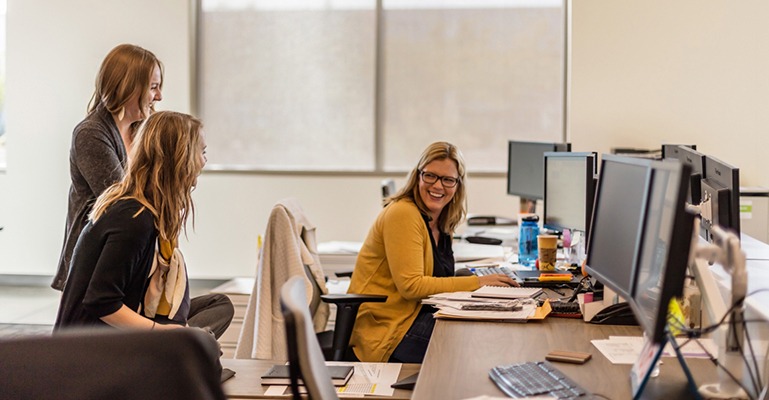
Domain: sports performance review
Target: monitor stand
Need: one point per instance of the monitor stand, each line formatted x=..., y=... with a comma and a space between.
x=646, y=365
x=730, y=338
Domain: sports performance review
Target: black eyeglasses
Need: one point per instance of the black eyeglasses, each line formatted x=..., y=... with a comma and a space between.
x=447, y=181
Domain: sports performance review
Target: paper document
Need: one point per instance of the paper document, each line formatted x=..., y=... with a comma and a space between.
x=494, y=305
x=527, y=310
x=368, y=379
x=627, y=349
x=506, y=292
x=620, y=349
x=704, y=349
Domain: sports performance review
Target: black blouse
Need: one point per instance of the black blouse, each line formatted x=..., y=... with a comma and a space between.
x=443, y=257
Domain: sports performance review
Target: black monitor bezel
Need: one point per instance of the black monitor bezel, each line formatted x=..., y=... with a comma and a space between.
x=590, y=184
x=625, y=292
x=677, y=258
x=511, y=186
x=672, y=151
x=720, y=176
x=696, y=162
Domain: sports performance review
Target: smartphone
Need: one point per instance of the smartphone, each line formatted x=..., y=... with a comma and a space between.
x=574, y=357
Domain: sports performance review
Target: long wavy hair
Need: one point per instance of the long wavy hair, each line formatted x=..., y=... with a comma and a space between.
x=165, y=160
x=453, y=214
x=125, y=71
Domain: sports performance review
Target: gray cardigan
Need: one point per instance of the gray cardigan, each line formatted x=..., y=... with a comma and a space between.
x=97, y=159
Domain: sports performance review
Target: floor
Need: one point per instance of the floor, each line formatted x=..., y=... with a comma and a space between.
x=28, y=304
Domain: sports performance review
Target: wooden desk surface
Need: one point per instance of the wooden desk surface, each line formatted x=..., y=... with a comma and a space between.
x=461, y=353
x=246, y=384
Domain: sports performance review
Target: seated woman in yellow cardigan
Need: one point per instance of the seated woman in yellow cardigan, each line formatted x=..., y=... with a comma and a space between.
x=407, y=256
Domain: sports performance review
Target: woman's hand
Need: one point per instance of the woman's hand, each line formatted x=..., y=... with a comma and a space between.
x=496, y=280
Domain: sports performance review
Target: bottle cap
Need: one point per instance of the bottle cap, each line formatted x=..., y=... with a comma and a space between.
x=531, y=218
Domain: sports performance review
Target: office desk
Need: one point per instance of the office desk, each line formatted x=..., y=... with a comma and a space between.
x=461, y=353
x=246, y=384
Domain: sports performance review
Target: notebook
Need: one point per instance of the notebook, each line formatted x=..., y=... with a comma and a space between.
x=279, y=375
x=506, y=292
x=226, y=374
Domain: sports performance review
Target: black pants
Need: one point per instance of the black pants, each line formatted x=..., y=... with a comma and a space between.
x=213, y=311
x=413, y=346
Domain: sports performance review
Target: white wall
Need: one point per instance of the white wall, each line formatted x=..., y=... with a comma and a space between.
x=642, y=73
x=232, y=209
x=54, y=51
x=684, y=71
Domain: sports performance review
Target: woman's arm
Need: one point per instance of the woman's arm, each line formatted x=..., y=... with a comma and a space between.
x=125, y=318
x=406, y=244
x=97, y=159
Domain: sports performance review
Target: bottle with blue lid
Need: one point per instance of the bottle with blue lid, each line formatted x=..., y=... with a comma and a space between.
x=527, y=240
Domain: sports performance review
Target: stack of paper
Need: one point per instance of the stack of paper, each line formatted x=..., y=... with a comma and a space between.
x=463, y=305
x=506, y=292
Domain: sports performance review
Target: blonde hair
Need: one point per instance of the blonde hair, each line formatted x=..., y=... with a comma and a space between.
x=455, y=211
x=165, y=160
x=125, y=71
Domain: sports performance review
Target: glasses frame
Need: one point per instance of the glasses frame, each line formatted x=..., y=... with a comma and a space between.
x=456, y=180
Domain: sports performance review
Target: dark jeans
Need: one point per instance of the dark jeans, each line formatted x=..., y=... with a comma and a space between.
x=413, y=346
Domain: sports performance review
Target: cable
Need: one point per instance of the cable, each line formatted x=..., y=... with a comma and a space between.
x=753, y=371
x=755, y=376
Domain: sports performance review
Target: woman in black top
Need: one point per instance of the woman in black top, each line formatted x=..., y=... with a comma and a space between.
x=114, y=254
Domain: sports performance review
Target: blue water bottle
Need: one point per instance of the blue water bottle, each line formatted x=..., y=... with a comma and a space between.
x=527, y=240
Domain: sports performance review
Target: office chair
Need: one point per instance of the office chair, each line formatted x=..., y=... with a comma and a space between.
x=112, y=364
x=290, y=250
x=305, y=358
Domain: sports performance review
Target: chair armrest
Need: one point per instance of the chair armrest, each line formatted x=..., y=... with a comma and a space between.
x=353, y=298
x=346, y=311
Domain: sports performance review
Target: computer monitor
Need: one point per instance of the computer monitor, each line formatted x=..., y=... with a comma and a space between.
x=667, y=242
x=615, y=230
x=696, y=161
x=525, y=167
x=721, y=196
x=672, y=150
x=569, y=190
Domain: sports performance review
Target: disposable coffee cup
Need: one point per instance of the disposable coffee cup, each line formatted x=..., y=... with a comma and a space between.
x=548, y=246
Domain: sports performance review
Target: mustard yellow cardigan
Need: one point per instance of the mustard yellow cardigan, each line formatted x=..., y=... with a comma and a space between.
x=396, y=260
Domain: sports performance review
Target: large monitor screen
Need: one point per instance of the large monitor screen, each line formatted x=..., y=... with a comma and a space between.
x=721, y=195
x=569, y=190
x=615, y=231
x=526, y=167
x=666, y=244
